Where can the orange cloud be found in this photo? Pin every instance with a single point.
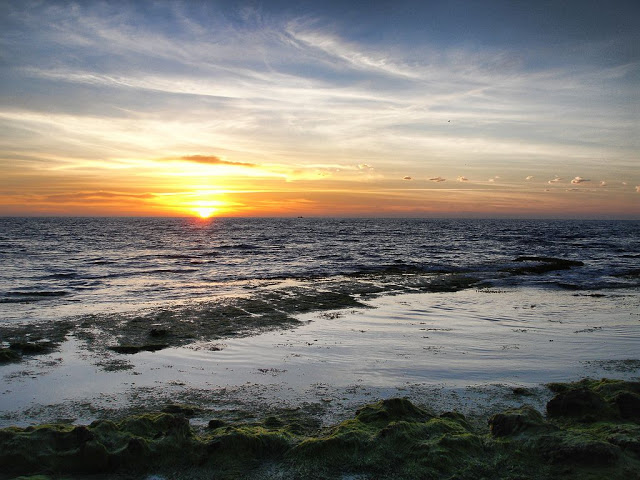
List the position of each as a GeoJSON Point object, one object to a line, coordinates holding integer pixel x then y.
{"type": "Point", "coordinates": [579, 180]}
{"type": "Point", "coordinates": [213, 160]}
{"type": "Point", "coordinates": [95, 196]}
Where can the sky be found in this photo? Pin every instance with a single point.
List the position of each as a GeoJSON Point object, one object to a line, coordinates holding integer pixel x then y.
{"type": "Point", "coordinates": [307, 108]}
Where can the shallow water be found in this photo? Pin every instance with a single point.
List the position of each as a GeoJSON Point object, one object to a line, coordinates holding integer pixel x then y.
{"type": "Point", "coordinates": [407, 344]}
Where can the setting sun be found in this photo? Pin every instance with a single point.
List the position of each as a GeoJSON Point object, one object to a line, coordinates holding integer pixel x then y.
{"type": "Point", "coordinates": [204, 212]}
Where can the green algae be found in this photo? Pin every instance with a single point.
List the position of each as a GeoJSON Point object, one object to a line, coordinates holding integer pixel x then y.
{"type": "Point", "coordinates": [392, 438]}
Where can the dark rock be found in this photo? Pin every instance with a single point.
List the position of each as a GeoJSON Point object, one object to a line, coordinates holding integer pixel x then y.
{"type": "Point", "coordinates": [273, 422]}
{"type": "Point", "coordinates": [216, 423]}
{"type": "Point", "coordinates": [32, 348]}
{"type": "Point", "coordinates": [94, 457]}
{"type": "Point", "coordinates": [158, 332]}
{"type": "Point", "coordinates": [628, 404]}
{"type": "Point", "coordinates": [186, 410]}
{"type": "Point", "coordinates": [521, 391]}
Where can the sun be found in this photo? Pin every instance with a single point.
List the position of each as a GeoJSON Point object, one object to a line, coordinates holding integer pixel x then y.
{"type": "Point", "coordinates": [204, 212]}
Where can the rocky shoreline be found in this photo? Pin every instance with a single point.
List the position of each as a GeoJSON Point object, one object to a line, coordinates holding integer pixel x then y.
{"type": "Point", "coordinates": [590, 430]}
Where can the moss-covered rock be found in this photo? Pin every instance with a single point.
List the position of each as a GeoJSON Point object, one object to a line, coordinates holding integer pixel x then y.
{"type": "Point", "coordinates": [595, 400]}
{"type": "Point", "coordinates": [136, 442]}
{"type": "Point", "coordinates": [390, 439]}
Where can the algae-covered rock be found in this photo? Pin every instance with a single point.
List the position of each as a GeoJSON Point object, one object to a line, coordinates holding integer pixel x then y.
{"type": "Point", "coordinates": [579, 403]}
{"type": "Point", "coordinates": [628, 404]}
{"type": "Point", "coordinates": [102, 446]}
{"type": "Point", "coordinates": [390, 439]}
{"type": "Point", "coordinates": [594, 400]}
{"type": "Point", "coordinates": [233, 451]}
{"type": "Point", "coordinates": [580, 449]}
{"type": "Point", "coordinates": [515, 421]}
{"type": "Point", "coordinates": [392, 409]}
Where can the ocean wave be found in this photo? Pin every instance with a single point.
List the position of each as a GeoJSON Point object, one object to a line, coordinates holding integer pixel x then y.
{"type": "Point", "coordinates": [61, 275]}
{"type": "Point", "coordinates": [31, 296]}
{"type": "Point", "coordinates": [39, 293]}
{"type": "Point", "coordinates": [237, 246]}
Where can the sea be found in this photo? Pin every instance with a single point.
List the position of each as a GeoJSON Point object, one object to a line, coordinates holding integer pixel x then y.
{"type": "Point", "coordinates": [381, 306]}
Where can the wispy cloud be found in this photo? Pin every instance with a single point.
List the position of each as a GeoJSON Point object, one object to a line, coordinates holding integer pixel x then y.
{"type": "Point", "coordinates": [350, 55]}
{"type": "Point", "coordinates": [529, 177]}
{"type": "Point", "coordinates": [213, 160]}
{"type": "Point", "coordinates": [437, 179]}
{"type": "Point", "coordinates": [462, 179]}
{"type": "Point", "coordinates": [555, 180]}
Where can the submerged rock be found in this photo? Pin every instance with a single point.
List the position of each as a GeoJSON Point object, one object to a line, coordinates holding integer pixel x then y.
{"type": "Point", "coordinates": [8, 355]}
{"type": "Point", "coordinates": [132, 349]}
{"type": "Point", "coordinates": [539, 265]}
